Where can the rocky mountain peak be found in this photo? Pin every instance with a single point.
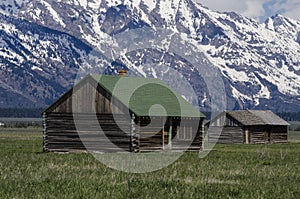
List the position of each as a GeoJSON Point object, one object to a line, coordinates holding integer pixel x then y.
{"type": "Point", "coordinates": [259, 63]}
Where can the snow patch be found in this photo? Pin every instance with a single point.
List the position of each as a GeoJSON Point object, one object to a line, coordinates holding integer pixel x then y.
{"type": "Point", "coordinates": [269, 24]}
{"type": "Point", "coordinates": [238, 95]}
{"type": "Point", "coordinates": [54, 14]}
{"type": "Point", "coordinates": [151, 4]}
{"type": "Point", "coordinates": [36, 68]}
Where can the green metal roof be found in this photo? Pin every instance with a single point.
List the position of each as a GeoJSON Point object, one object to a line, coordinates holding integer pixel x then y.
{"type": "Point", "coordinates": [147, 96]}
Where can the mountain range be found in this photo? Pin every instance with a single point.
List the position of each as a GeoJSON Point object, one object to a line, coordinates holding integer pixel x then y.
{"type": "Point", "coordinates": [45, 44]}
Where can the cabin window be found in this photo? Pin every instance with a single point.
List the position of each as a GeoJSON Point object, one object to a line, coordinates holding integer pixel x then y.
{"type": "Point", "coordinates": [185, 132]}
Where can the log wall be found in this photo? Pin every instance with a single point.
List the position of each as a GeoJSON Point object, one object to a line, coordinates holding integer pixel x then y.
{"type": "Point", "coordinates": [226, 135]}
{"type": "Point", "coordinates": [62, 134]}
{"type": "Point", "coordinates": [150, 134]}
{"type": "Point", "coordinates": [258, 134]}
{"type": "Point", "coordinates": [280, 134]}
{"type": "Point", "coordinates": [234, 133]}
{"type": "Point", "coordinates": [186, 134]}
{"type": "Point", "coordinates": [265, 134]}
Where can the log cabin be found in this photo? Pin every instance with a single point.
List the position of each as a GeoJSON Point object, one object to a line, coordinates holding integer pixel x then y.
{"type": "Point", "coordinates": [119, 113]}
{"type": "Point", "coordinates": [247, 127]}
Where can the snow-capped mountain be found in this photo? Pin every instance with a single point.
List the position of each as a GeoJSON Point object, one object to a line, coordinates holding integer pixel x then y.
{"type": "Point", "coordinates": [10, 7]}
{"type": "Point", "coordinates": [36, 63]}
{"type": "Point", "coordinates": [284, 26]}
{"type": "Point", "coordinates": [259, 62]}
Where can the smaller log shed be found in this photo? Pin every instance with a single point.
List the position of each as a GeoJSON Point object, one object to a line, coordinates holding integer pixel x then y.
{"type": "Point", "coordinates": [119, 113]}
{"type": "Point", "coordinates": [247, 127]}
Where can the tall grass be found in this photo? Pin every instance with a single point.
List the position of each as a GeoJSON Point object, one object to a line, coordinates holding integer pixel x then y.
{"type": "Point", "coordinates": [230, 171]}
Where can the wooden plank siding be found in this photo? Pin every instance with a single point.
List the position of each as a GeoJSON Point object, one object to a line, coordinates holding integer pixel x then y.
{"type": "Point", "coordinates": [187, 134]}
{"type": "Point", "coordinates": [280, 134]}
{"type": "Point", "coordinates": [268, 134]}
{"type": "Point", "coordinates": [228, 135]}
{"type": "Point", "coordinates": [153, 136]}
{"type": "Point", "coordinates": [257, 134]}
{"type": "Point", "coordinates": [234, 132]}
{"type": "Point", "coordinates": [226, 130]}
{"type": "Point", "coordinates": [70, 132]}
{"type": "Point", "coordinates": [89, 98]}
{"type": "Point", "coordinates": [94, 132]}
{"type": "Point", "coordinates": [150, 133]}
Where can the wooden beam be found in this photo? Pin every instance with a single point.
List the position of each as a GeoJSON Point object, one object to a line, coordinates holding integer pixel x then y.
{"type": "Point", "coordinates": [270, 135]}
{"type": "Point", "coordinates": [45, 142]}
{"type": "Point", "coordinates": [163, 135]}
{"type": "Point", "coordinates": [170, 134]}
{"type": "Point", "coordinates": [247, 135]}
{"type": "Point", "coordinates": [201, 134]}
{"type": "Point", "coordinates": [138, 138]}
{"type": "Point", "coordinates": [132, 129]}
{"type": "Point", "coordinates": [287, 131]}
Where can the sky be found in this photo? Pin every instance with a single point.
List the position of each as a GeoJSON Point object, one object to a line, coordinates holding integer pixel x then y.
{"type": "Point", "coordinates": [257, 9]}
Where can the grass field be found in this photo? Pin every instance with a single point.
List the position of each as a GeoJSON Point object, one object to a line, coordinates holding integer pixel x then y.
{"type": "Point", "coordinates": [294, 136]}
{"type": "Point", "coordinates": [230, 171]}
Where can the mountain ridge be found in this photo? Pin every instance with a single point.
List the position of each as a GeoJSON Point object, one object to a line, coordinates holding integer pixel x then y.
{"type": "Point", "coordinates": [259, 62]}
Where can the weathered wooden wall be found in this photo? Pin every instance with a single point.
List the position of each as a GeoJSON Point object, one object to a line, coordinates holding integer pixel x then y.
{"type": "Point", "coordinates": [257, 134]}
{"type": "Point", "coordinates": [280, 134]}
{"type": "Point", "coordinates": [233, 132]}
{"type": "Point", "coordinates": [186, 134]}
{"type": "Point", "coordinates": [228, 135]}
{"type": "Point", "coordinates": [62, 134]}
{"type": "Point", "coordinates": [224, 120]}
{"type": "Point", "coordinates": [88, 98]}
{"type": "Point", "coordinates": [112, 133]}
{"type": "Point", "coordinates": [150, 134]}
{"type": "Point", "coordinates": [268, 134]}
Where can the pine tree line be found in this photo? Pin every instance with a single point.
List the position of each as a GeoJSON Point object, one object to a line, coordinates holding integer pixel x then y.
{"type": "Point", "coordinates": [21, 112]}
{"type": "Point", "coordinates": [290, 116]}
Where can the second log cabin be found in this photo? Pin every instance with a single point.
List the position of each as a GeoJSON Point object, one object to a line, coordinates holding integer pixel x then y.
{"type": "Point", "coordinates": [248, 127]}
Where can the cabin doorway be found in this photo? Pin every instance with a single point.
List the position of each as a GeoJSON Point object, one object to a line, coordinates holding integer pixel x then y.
{"type": "Point", "coordinates": [268, 135]}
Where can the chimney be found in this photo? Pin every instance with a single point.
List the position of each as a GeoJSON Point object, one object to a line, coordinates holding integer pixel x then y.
{"type": "Point", "coordinates": [122, 73]}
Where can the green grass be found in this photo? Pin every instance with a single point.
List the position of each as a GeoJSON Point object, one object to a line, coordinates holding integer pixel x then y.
{"type": "Point", "coordinates": [230, 171]}
{"type": "Point", "coordinates": [294, 136]}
